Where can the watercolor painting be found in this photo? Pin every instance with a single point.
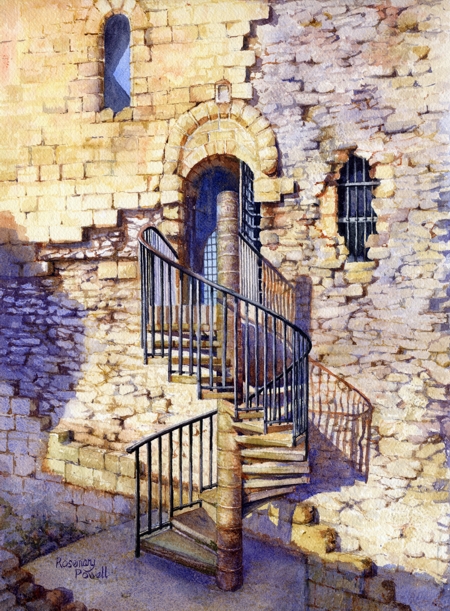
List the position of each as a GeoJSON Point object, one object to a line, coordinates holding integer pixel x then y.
{"type": "Point", "coordinates": [224, 305]}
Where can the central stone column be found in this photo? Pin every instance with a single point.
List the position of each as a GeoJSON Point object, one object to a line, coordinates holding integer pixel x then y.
{"type": "Point", "coordinates": [229, 475]}
{"type": "Point", "coordinates": [228, 240]}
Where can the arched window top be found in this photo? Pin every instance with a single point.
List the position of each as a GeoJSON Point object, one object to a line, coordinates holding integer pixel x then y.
{"type": "Point", "coordinates": [356, 216]}
{"type": "Point", "coordinates": [117, 63]}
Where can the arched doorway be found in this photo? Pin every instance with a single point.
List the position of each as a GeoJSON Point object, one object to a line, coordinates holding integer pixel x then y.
{"type": "Point", "coordinates": [205, 182]}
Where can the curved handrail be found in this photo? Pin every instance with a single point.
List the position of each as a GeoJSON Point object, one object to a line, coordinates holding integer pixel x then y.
{"type": "Point", "coordinates": [219, 287]}
{"type": "Point", "coordinates": [169, 429]}
{"type": "Point", "coordinates": [180, 463]}
{"type": "Point", "coordinates": [266, 262]}
{"type": "Point", "coordinates": [238, 342]}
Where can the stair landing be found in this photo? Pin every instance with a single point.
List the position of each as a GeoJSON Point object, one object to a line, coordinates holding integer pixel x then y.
{"type": "Point", "coordinates": [176, 547]}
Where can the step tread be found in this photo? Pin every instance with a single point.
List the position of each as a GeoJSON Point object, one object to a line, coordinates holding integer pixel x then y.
{"type": "Point", "coordinates": [213, 394]}
{"type": "Point", "coordinates": [174, 546]}
{"type": "Point", "coordinates": [268, 440]}
{"type": "Point", "coordinates": [296, 454]}
{"type": "Point", "coordinates": [260, 495]}
{"type": "Point", "coordinates": [275, 483]}
{"type": "Point", "coordinates": [197, 524]}
{"type": "Point", "coordinates": [275, 468]}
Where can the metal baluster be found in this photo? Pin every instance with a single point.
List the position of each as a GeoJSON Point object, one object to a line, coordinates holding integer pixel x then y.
{"type": "Point", "coordinates": [161, 278]}
{"type": "Point", "coordinates": [180, 327]}
{"type": "Point", "coordinates": [169, 353]}
{"type": "Point", "coordinates": [170, 475]}
{"type": "Point", "coordinates": [149, 485]}
{"type": "Point", "coordinates": [199, 341]}
{"type": "Point", "coordinates": [190, 463]}
{"type": "Point", "coordinates": [191, 326]}
{"type": "Point", "coordinates": [211, 336]}
{"type": "Point", "coordinates": [159, 481]}
{"type": "Point", "coordinates": [236, 355]}
{"type": "Point", "coordinates": [211, 437]}
{"type": "Point", "coordinates": [200, 474]}
{"type": "Point", "coordinates": [152, 281]}
{"type": "Point", "coordinates": [224, 338]}
{"type": "Point", "coordinates": [180, 467]}
{"type": "Point", "coordinates": [137, 549]}
{"type": "Point", "coordinates": [274, 370]}
{"type": "Point", "coordinates": [295, 410]}
{"type": "Point", "coordinates": [265, 402]}
{"type": "Point", "coordinates": [286, 415]}
{"type": "Point", "coordinates": [246, 357]}
{"type": "Point", "coordinates": [257, 358]}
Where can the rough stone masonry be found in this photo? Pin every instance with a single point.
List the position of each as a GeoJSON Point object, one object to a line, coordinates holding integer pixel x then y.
{"type": "Point", "coordinates": [292, 88]}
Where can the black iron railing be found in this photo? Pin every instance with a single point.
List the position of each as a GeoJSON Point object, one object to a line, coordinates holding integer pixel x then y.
{"type": "Point", "coordinates": [175, 467]}
{"type": "Point", "coordinates": [237, 348]}
{"type": "Point", "coordinates": [260, 281]}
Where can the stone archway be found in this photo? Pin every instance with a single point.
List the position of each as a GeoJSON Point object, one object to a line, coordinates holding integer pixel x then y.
{"type": "Point", "coordinates": [212, 130]}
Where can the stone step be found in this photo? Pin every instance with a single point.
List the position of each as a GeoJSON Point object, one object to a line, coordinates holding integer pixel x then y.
{"type": "Point", "coordinates": [257, 428]}
{"type": "Point", "coordinates": [217, 394]}
{"type": "Point", "coordinates": [197, 525]}
{"type": "Point", "coordinates": [283, 440]}
{"type": "Point", "coordinates": [272, 482]}
{"type": "Point", "coordinates": [177, 547]}
{"type": "Point", "coordinates": [205, 327]}
{"type": "Point", "coordinates": [204, 361]}
{"type": "Point", "coordinates": [261, 495]}
{"type": "Point", "coordinates": [296, 454]}
{"type": "Point", "coordinates": [275, 468]}
{"type": "Point", "coordinates": [204, 343]}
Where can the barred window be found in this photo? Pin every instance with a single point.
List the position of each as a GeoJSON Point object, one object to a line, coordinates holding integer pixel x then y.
{"type": "Point", "coordinates": [356, 217]}
{"type": "Point", "coordinates": [117, 63]}
{"type": "Point", "coordinates": [210, 267]}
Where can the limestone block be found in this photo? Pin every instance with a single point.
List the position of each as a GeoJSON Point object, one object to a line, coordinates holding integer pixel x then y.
{"type": "Point", "coordinates": [40, 268]}
{"type": "Point", "coordinates": [101, 201]}
{"type": "Point", "coordinates": [80, 476]}
{"type": "Point", "coordinates": [184, 34]}
{"type": "Point", "coordinates": [8, 561]}
{"type": "Point", "coordinates": [303, 514]}
{"type": "Point", "coordinates": [60, 233]}
{"type": "Point", "coordinates": [94, 458]}
{"type": "Point", "coordinates": [127, 466]}
{"type": "Point", "coordinates": [105, 218]}
{"type": "Point", "coordinates": [112, 461]}
{"type": "Point", "coordinates": [318, 539]}
{"type": "Point", "coordinates": [126, 200]}
{"type": "Point", "coordinates": [149, 200]}
{"type": "Point", "coordinates": [42, 155]}
{"type": "Point", "coordinates": [105, 480]}
{"type": "Point", "coordinates": [23, 406]}
{"type": "Point", "coordinates": [243, 91]}
{"type": "Point", "coordinates": [127, 269]}
{"type": "Point", "coordinates": [126, 485]}
{"type": "Point", "coordinates": [107, 269]}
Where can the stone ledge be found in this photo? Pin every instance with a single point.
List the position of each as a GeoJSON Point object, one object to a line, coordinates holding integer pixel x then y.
{"type": "Point", "coordinates": [337, 580]}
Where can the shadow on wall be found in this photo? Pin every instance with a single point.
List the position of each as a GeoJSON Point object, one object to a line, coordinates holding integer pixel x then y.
{"type": "Point", "coordinates": [42, 350]}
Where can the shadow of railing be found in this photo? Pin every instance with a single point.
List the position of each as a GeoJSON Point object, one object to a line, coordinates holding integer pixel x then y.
{"type": "Point", "coordinates": [341, 414]}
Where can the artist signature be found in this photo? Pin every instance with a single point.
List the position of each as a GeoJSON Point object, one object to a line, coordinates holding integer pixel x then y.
{"type": "Point", "coordinates": [85, 568]}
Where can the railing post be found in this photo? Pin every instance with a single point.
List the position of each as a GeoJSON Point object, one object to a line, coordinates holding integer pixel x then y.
{"type": "Point", "coordinates": [229, 575]}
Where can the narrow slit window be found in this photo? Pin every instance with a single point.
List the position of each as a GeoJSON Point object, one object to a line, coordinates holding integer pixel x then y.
{"type": "Point", "coordinates": [117, 63]}
{"type": "Point", "coordinates": [356, 216]}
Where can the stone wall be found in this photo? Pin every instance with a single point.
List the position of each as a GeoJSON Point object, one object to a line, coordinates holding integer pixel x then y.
{"type": "Point", "coordinates": [292, 88]}
{"type": "Point", "coordinates": [336, 78]}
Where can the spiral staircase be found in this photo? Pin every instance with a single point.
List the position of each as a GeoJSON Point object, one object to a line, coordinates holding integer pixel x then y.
{"type": "Point", "coordinates": [243, 350]}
